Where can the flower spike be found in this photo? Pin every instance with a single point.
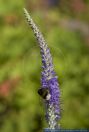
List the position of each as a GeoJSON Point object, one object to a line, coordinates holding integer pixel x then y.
{"type": "Point", "coordinates": [50, 87]}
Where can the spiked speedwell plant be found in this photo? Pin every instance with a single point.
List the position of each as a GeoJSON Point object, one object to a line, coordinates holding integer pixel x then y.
{"type": "Point", "coordinates": [49, 84]}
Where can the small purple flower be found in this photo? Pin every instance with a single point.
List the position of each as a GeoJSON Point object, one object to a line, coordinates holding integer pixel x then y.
{"type": "Point", "coordinates": [49, 80]}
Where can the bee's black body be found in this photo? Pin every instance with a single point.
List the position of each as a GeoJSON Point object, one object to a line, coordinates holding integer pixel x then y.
{"type": "Point", "coordinates": [43, 92]}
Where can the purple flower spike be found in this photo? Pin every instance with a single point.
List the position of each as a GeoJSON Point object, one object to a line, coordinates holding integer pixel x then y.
{"type": "Point", "coordinates": [49, 82]}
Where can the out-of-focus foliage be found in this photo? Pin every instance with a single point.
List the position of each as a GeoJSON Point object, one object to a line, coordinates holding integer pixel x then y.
{"type": "Point", "coordinates": [67, 34]}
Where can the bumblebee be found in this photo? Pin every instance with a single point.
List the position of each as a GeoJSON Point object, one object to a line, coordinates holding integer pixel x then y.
{"type": "Point", "coordinates": [44, 93]}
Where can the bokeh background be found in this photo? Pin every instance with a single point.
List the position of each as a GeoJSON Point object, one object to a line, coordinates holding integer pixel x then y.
{"type": "Point", "coordinates": [65, 26]}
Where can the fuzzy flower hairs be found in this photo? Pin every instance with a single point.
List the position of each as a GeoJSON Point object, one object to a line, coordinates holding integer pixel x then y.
{"type": "Point", "coordinates": [49, 84]}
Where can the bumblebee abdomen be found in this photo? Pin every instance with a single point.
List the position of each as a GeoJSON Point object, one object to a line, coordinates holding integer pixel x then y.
{"type": "Point", "coordinates": [43, 92]}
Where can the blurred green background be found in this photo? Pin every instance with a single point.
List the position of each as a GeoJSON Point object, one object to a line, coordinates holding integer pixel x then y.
{"type": "Point", "coordinates": [65, 26]}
